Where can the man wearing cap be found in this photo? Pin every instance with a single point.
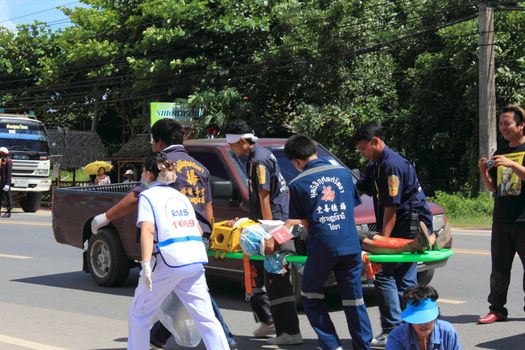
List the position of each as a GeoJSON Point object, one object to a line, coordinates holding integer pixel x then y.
{"type": "Point", "coordinates": [6, 169]}
{"type": "Point", "coordinates": [422, 330]}
{"type": "Point", "coordinates": [192, 181]}
{"type": "Point", "coordinates": [268, 196]}
{"type": "Point", "coordinates": [129, 176]}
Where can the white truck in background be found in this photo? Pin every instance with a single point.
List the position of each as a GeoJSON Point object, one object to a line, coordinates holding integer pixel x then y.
{"type": "Point", "coordinates": [26, 139]}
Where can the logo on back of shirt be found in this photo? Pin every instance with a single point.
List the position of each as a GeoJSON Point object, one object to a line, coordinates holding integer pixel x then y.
{"type": "Point", "coordinates": [328, 194]}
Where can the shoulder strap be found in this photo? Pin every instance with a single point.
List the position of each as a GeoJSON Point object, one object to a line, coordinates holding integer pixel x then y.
{"type": "Point", "coordinates": [316, 170]}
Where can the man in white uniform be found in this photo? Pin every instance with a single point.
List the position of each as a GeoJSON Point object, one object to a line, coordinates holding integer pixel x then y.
{"type": "Point", "coordinates": [166, 217]}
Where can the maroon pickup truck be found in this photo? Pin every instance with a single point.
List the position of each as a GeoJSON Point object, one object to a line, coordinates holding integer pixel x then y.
{"type": "Point", "coordinates": [109, 255]}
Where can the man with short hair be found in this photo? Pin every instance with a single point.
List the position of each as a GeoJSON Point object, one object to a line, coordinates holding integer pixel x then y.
{"type": "Point", "coordinates": [6, 169]}
{"type": "Point", "coordinates": [268, 195]}
{"type": "Point", "coordinates": [323, 198]}
{"type": "Point", "coordinates": [400, 205]}
{"type": "Point", "coordinates": [192, 181]}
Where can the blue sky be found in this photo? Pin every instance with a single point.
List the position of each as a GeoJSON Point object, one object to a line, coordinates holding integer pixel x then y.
{"type": "Point", "coordinates": [13, 12]}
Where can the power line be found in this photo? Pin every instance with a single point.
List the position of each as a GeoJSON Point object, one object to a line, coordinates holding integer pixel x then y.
{"type": "Point", "coordinates": [38, 12]}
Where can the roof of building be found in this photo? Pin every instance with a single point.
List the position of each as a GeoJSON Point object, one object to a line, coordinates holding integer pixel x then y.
{"type": "Point", "coordinates": [75, 148]}
{"type": "Point", "coordinates": [137, 147]}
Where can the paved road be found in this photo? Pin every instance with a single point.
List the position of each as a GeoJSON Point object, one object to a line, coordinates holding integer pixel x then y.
{"type": "Point", "coordinates": [47, 303]}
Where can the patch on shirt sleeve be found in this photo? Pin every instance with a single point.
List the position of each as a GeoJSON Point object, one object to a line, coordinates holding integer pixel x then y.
{"type": "Point", "coordinates": [393, 185]}
{"type": "Point", "coordinates": [261, 174]}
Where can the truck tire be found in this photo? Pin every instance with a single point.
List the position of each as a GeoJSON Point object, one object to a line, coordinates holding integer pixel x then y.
{"type": "Point", "coordinates": [31, 202]}
{"type": "Point", "coordinates": [424, 277]}
{"type": "Point", "coordinates": [107, 262]}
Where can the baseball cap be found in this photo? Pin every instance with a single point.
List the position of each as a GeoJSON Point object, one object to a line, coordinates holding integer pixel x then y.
{"type": "Point", "coordinates": [129, 172]}
{"type": "Point", "coordinates": [4, 150]}
{"type": "Point", "coordinates": [427, 310]}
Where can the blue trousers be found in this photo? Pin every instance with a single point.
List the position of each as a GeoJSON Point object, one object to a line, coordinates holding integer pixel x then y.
{"type": "Point", "coordinates": [390, 285]}
{"type": "Point", "coordinates": [347, 270]}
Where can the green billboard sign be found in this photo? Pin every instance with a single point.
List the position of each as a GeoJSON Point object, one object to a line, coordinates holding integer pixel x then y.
{"type": "Point", "coordinates": [180, 112]}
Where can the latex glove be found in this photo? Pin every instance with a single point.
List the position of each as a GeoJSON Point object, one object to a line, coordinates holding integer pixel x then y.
{"type": "Point", "coordinates": [99, 221]}
{"type": "Point", "coordinates": [6, 188]}
{"type": "Point", "coordinates": [146, 274]}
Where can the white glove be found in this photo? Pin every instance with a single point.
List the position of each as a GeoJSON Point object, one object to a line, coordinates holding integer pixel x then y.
{"type": "Point", "coordinates": [6, 188]}
{"type": "Point", "coordinates": [99, 221]}
{"type": "Point", "coordinates": [146, 274]}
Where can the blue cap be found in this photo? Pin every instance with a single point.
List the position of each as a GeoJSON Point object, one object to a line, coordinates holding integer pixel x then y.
{"type": "Point", "coordinates": [426, 311]}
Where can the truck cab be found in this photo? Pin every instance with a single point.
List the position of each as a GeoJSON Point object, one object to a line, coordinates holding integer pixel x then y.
{"type": "Point", "coordinates": [26, 139]}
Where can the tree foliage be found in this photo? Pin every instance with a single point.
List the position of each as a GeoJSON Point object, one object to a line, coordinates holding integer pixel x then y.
{"type": "Point", "coordinates": [319, 67]}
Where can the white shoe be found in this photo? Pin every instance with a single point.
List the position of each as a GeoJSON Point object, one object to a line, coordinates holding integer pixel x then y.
{"type": "Point", "coordinates": [264, 330]}
{"type": "Point", "coordinates": [379, 341]}
{"type": "Point", "coordinates": [286, 339]}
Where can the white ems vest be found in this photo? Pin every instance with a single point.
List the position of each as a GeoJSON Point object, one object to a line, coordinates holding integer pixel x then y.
{"type": "Point", "coordinates": [177, 234]}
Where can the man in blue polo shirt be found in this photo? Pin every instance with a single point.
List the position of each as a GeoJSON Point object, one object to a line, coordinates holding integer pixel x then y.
{"type": "Point", "coordinates": [323, 198]}
{"type": "Point", "coordinates": [398, 199]}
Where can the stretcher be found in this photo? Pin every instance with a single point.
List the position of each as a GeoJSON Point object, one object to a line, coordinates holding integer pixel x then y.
{"type": "Point", "coordinates": [428, 256]}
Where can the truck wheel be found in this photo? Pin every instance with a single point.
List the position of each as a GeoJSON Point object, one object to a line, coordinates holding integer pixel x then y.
{"type": "Point", "coordinates": [424, 277]}
{"type": "Point", "coordinates": [31, 202]}
{"type": "Point", "coordinates": [107, 262]}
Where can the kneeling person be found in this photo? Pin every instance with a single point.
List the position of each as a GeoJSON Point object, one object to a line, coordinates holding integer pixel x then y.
{"type": "Point", "coordinates": [423, 329]}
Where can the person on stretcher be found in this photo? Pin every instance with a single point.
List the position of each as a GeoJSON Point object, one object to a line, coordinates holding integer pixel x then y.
{"type": "Point", "coordinates": [375, 243]}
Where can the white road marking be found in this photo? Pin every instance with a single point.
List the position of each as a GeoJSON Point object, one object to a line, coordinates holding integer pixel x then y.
{"type": "Point", "coordinates": [451, 301]}
{"type": "Point", "coordinates": [27, 344]}
{"type": "Point", "coordinates": [14, 256]}
{"type": "Point", "coordinates": [29, 223]}
{"type": "Point", "coordinates": [473, 233]}
{"type": "Point", "coordinates": [471, 251]}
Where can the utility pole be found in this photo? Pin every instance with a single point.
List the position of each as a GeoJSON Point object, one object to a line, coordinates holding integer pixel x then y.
{"type": "Point", "coordinates": [487, 83]}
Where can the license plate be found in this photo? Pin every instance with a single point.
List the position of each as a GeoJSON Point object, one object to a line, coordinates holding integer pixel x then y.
{"type": "Point", "coordinates": [21, 183]}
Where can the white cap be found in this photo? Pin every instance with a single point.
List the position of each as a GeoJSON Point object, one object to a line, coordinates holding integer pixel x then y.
{"type": "Point", "coordinates": [4, 150]}
{"type": "Point", "coordinates": [129, 172]}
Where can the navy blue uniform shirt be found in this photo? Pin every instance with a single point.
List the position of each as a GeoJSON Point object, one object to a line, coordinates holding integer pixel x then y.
{"type": "Point", "coordinates": [392, 180]}
{"type": "Point", "coordinates": [326, 199]}
{"type": "Point", "coordinates": [193, 181]}
{"type": "Point", "coordinates": [264, 174]}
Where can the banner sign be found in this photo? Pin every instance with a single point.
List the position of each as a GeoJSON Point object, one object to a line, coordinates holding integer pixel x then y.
{"type": "Point", "coordinates": [180, 112]}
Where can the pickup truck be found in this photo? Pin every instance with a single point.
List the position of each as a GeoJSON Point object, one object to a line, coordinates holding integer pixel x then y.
{"type": "Point", "coordinates": [109, 255]}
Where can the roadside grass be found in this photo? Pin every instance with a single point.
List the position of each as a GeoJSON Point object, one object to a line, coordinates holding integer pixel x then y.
{"type": "Point", "coordinates": [68, 175]}
{"type": "Point", "coordinates": [465, 211]}
{"type": "Point", "coordinates": [479, 222]}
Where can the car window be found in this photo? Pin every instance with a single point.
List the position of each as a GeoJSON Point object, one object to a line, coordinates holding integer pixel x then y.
{"type": "Point", "coordinates": [213, 163]}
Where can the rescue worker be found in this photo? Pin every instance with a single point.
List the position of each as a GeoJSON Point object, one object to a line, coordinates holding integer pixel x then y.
{"type": "Point", "coordinates": [323, 198]}
{"type": "Point", "coordinates": [6, 169]}
{"type": "Point", "coordinates": [400, 205]}
{"type": "Point", "coordinates": [268, 195]}
{"type": "Point", "coordinates": [193, 181]}
{"type": "Point", "coordinates": [172, 255]}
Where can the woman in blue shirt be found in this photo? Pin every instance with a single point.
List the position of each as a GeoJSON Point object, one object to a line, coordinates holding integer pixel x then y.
{"type": "Point", "coordinates": [422, 330]}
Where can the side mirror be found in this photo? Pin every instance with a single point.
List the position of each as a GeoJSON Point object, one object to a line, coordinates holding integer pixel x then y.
{"type": "Point", "coordinates": [222, 189]}
{"type": "Point", "coordinates": [356, 173]}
